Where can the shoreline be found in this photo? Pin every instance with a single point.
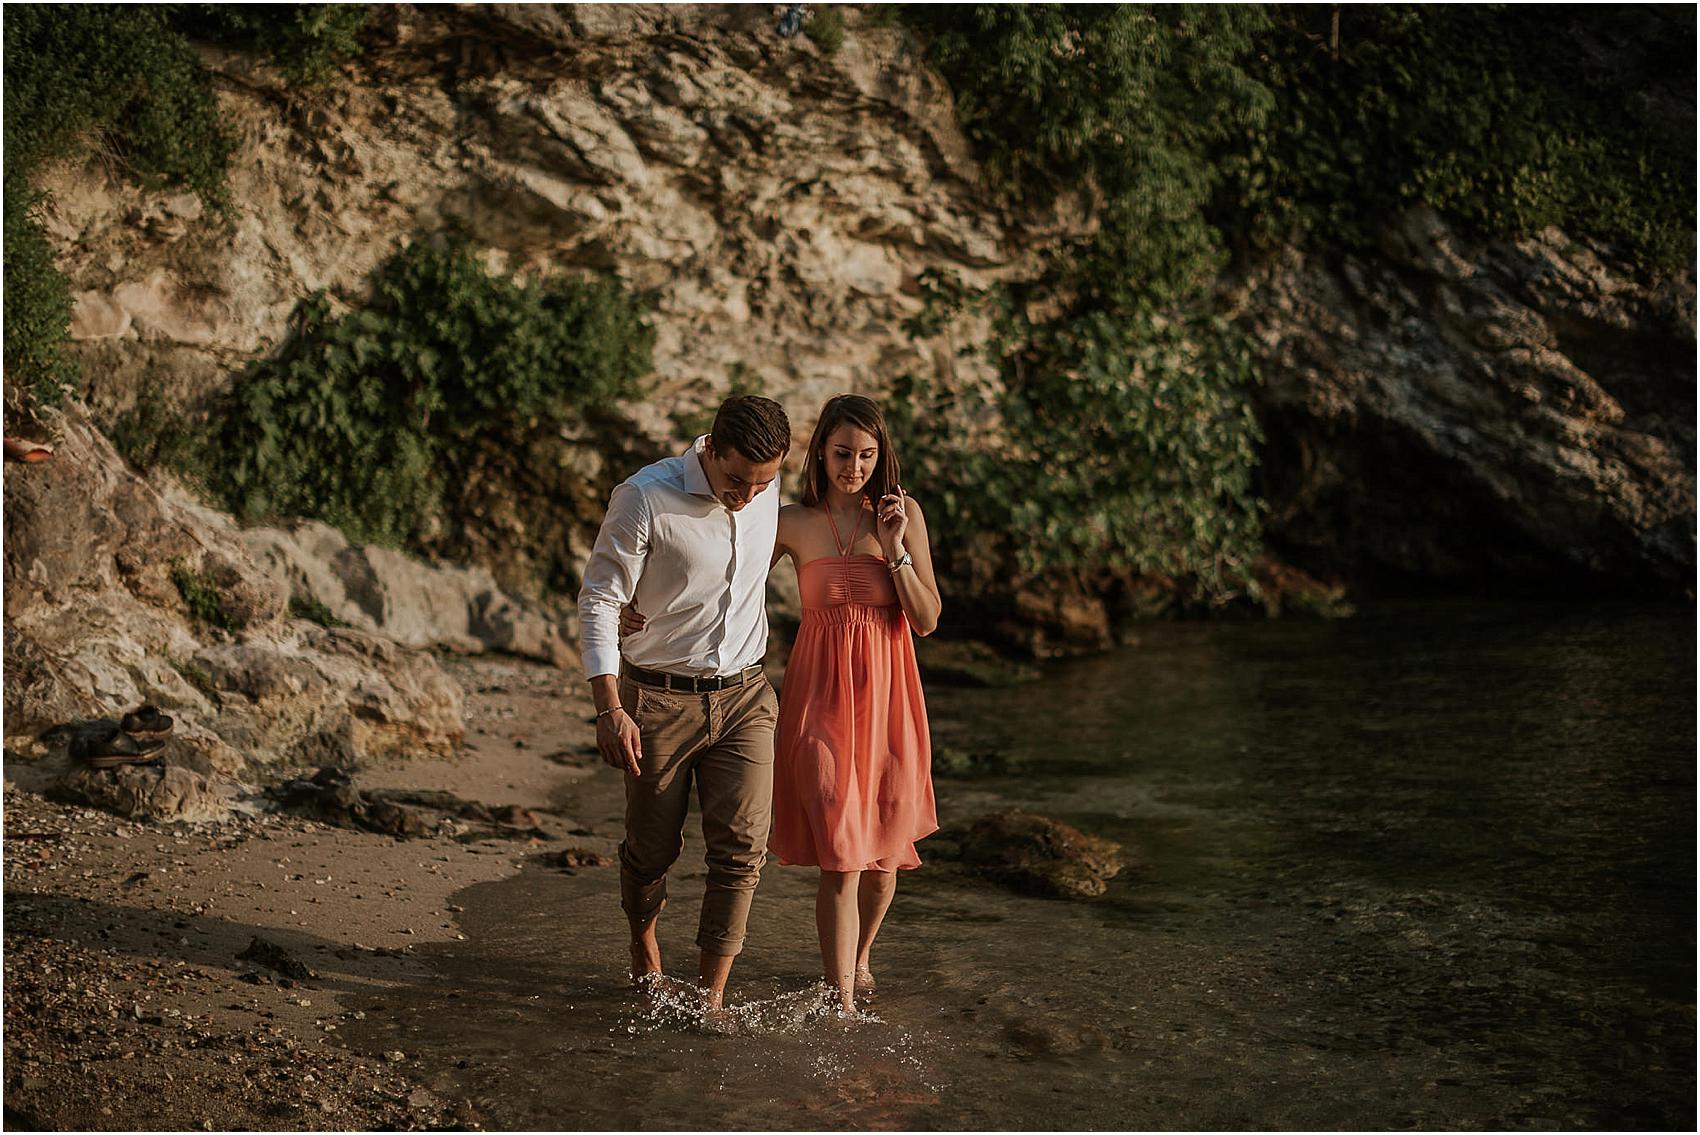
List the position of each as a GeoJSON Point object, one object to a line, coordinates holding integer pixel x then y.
{"type": "Point", "coordinates": [127, 1004]}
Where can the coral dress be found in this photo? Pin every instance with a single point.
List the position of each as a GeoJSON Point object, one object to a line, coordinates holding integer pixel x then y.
{"type": "Point", "coordinates": [852, 780]}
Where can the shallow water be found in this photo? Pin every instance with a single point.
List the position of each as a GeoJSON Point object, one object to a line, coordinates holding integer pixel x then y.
{"type": "Point", "coordinates": [1432, 867]}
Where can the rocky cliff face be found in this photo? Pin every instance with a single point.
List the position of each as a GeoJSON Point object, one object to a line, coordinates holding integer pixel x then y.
{"type": "Point", "coordinates": [778, 203]}
{"type": "Point", "coordinates": [1443, 412]}
{"type": "Point", "coordinates": [119, 592]}
{"type": "Point", "coordinates": [1512, 415]}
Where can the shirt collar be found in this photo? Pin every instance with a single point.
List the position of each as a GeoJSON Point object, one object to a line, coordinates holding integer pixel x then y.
{"type": "Point", "coordinates": [696, 480]}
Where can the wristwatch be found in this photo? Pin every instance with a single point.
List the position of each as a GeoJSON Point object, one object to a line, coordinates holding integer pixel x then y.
{"type": "Point", "coordinates": [901, 562]}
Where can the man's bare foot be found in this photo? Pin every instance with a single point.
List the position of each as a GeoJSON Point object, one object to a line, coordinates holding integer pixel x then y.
{"type": "Point", "coordinates": [646, 963]}
{"type": "Point", "coordinates": [864, 988]}
{"type": "Point", "coordinates": [718, 1020]}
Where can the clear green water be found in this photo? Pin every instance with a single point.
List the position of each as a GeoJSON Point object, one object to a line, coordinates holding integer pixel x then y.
{"type": "Point", "coordinates": [1433, 867]}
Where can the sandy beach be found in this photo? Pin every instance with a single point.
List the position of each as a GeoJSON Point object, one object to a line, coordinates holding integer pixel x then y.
{"type": "Point", "coordinates": [127, 1004]}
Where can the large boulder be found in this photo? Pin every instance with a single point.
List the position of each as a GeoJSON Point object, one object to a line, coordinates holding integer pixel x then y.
{"type": "Point", "coordinates": [120, 591]}
{"type": "Point", "coordinates": [166, 793]}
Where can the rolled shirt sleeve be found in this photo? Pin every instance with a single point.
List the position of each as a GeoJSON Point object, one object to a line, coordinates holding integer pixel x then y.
{"type": "Point", "coordinates": [610, 578]}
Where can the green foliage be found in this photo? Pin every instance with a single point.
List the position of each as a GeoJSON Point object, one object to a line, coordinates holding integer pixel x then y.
{"type": "Point", "coordinates": [38, 304]}
{"type": "Point", "coordinates": [314, 612]}
{"type": "Point", "coordinates": [203, 596]}
{"type": "Point", "coordinates": [126, 78]}
{"type": "Point", "coordinates": [355, 420]}
{"type": "Point", "coordinates": [195, 674]}
{"type": "Point", "coordinates": [74, 72]}
{"type": "Point", "coordinates": [1508, 118]}
{"type": "Point", "coordinates": [1124, 443]}
{"type": "Point", "coordinates": [1124, 99]}
{"type": "Point", "coordinates": [303, 39]}
{"type": "Point", "coordinates": [1124, 439]}
{"type": "Point", "coordinates": [826, 28]}
{"type": "Point", "coordinates": [1188, 130]}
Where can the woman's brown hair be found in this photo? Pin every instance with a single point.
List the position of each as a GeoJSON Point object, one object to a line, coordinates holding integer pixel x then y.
{"type": "Point", "coordinates": [864, 414]}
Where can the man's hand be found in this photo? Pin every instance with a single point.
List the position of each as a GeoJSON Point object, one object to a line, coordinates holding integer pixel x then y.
{"type": "Point", "coordinates": [619, 740]}
{"type": "Point", "coordinates": [631, 620]}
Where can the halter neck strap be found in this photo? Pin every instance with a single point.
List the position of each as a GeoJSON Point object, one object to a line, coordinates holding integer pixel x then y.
{"type": "Point", "coordinates": [843, 549]}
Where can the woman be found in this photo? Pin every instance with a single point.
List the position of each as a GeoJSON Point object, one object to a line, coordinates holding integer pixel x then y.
{"type": "Point", "coordinates": [852, 784]}
{"type": "Point", "coordinates": [852, 787]}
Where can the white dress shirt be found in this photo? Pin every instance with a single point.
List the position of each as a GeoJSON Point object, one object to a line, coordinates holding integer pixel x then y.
{"type": "Point", "coordinates": [696, 570]}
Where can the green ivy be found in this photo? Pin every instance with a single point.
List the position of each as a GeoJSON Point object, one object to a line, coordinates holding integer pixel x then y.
{"type": "Point", "coordinates": [1125, 443]}
{"type": "Point", "coordinates": [1123, 432]}
{"type": "Point", "coordinates": [1506, 118]}
{"type": "Point", "coordinates": [355, 421]}
{"type": "Point", "coordinates": [1124, 437]}
{"type": "Point", "coordinates": [305, 40]}
{"type": "Point", "coordinates": [72, 71]}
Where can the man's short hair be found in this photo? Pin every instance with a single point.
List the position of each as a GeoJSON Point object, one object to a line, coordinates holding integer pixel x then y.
{"type": "Point", "coordinates": [755, 426]}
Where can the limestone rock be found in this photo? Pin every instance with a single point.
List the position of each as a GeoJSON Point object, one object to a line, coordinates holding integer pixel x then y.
{"type": "Point", "coordinates": [98, 620]}
{"type": "Point", "coordinates": [164, 793]}
{"type": "Point", "coordinates": [391, 594]}
{"type": "Point", "coordinates": [778, 202]}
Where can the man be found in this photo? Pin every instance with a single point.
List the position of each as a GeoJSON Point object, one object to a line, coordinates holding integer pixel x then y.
{"type": "Point", "coordinates": [689, 541]}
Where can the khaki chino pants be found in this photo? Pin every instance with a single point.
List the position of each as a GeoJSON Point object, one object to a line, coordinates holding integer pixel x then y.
{"type": "Point", "coordinates": [723, 742]}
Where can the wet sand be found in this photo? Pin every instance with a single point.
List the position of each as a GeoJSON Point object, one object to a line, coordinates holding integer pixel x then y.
{"type": "Point", "coordinates": [126, 1005]}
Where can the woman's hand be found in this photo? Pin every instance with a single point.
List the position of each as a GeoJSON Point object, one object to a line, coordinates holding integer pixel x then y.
{"type": "Point", "coordinates": [631, 620]}
{"type": "Point", "coordinates": [892, 521]}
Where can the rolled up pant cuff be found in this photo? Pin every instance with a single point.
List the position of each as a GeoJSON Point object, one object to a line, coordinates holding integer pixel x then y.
{"type": "Point", "coordinates": [721, 947]}
{"type": "Point", "coordinates": [642, 901]}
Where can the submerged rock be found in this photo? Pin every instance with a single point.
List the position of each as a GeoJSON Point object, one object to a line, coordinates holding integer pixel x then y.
{"type": "Point", "coordinates": [1039, 855]}
{"type": "Point", "coordinates": [951, 761]}
{"type": "Point", "coordinates": [972, 664]}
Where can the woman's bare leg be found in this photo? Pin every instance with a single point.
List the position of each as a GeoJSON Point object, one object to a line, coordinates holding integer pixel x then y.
{"type": "Point", "coordinates": [873, 898]}
{"type": "Point", "coordinates": [836, 920]}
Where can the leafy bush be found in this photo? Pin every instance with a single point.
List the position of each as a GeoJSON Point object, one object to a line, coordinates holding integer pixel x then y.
{"type": "Point", "coordinates": [353, 422]}
{"type": "Point", "coordinates": [1123, 444]}
{"type": "Point", "coordinates": [303, 39]}
{"type": "Point", "coordinates": [1191, 129]}
{"type": "Point", "coordinates": [1123, 436]}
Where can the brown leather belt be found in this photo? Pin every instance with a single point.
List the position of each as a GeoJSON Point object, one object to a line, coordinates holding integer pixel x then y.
{"type": "Point", "coordinates": [686, 682]}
